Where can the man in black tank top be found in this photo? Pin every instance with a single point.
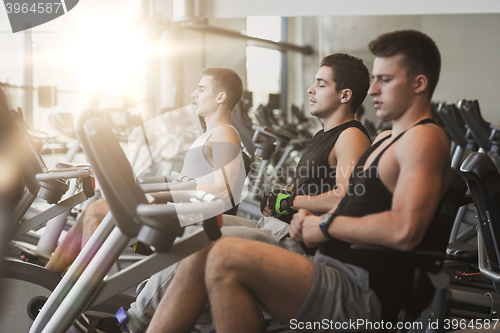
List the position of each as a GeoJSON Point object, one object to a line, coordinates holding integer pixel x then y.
{"type": "Point", "coordinates": [401, 194]}
{"type": "Point", "coordinates": [322, 173]}
{"type": "Point", "coordinates": [340, 86]}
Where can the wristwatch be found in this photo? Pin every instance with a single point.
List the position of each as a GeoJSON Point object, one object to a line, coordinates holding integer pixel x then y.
{"type": "Point", "coordinates": [325, 222]}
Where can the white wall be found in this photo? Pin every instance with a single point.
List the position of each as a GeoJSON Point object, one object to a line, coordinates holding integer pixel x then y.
{"type": "Point", "coordinates": [470, 51]}
{"type": "Point", "coordinates": [469, 45]}
{"type": "Point", "coordinates": [346, 34]}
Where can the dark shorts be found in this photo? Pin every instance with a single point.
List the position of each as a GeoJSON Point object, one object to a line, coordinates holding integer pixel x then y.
{"type": "Point", "coordinates": [340, 299]}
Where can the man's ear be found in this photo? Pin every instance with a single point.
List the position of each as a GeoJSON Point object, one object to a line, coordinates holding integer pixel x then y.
{"type": "Point", "coordinates": [221, 97]}
{"type": "Point", "coordinates": [421, 83]}
{"type": "Point", "coordinates": [345, 95]}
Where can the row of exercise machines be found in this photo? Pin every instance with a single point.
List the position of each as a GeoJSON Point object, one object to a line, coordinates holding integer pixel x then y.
{"type": "Point", "coordinates": [132, 218]}
{"type": "Point", "coordinates": [472, 254]}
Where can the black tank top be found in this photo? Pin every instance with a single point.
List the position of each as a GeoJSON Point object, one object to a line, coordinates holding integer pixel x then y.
{"type": "Point", "coordinates": [368, 195]}
{"type": "Point", "coordinates": [313, 174]}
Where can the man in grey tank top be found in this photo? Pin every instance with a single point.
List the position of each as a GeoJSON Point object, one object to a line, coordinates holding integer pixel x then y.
{"type": "Point", "coordinates": [315, 295]}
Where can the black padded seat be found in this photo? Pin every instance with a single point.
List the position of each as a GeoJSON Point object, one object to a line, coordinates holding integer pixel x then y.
{"type": "Point", "coordinates": [242, 122]}
{"type": "Point", "coordinates": [265, 139]}
{"type": "Point", "coordinates": [478, 126]}
{"type": "Point", "coordinates": [449, 116]}
{"type": "Point", "coordinates": [463, 252]}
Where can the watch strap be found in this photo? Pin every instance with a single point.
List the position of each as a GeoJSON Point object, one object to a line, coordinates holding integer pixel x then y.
{"type": "Point", "coordinates": [325, 225]}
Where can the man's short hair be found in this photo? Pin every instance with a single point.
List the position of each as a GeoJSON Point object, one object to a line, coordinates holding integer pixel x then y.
{"type": "Point", "coordinates": [349, 72]}
{"type": "Point", "coordinates": [419, 51]}
{"type": "Point", "coordinates": [226, 80]}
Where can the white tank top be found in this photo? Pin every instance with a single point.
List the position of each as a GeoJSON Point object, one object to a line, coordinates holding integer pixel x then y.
{"type": "Point", "coordinates": [195, 164]}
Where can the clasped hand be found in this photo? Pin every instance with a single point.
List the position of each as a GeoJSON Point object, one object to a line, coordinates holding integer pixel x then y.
{"type": "Point", "coordinates": [304, 228]}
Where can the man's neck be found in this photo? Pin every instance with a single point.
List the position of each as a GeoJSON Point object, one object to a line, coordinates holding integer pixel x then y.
{"type": "Point", "coordinates": [221, 117]}
{"type": "Point", "coordinates": [337, 118]}
{"type": "Point", "coordinates": [413, 115]}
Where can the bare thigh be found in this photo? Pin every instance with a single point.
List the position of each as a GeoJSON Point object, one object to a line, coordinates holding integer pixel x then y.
{"type": "Point", "coordinates": [280, 280]}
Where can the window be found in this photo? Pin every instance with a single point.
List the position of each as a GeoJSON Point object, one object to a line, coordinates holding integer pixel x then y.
{"type": "Point", "coordinates": [263, 65]}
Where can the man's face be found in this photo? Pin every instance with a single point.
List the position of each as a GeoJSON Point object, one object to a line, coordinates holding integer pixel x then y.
{"type": "Point", "coordinates": [323, 96]}
{"type": "Point", "coordinates": [391, 89]}
{"type": "Point", "coordinates": [205, 99]}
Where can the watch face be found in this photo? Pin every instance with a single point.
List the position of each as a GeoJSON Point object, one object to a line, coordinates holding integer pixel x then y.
{"type": "Point", "coordinates": [324, 218]}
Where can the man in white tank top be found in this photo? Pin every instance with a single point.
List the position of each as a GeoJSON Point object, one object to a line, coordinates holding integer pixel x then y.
{"type": "Point", "coordinates": [214, 160]}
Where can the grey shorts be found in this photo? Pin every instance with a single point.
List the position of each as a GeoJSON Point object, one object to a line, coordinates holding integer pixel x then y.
{"type": "Point", "coordinates": [339, 300]}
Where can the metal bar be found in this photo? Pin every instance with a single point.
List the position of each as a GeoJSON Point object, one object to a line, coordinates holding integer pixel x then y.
{"type": "Point", "coordinates": [50, 213]}
{"type": "Point", "coordinates": [74, 273]}
{"type": "Point", "coordinates": [259, 41]}
{"type": "Point", "coordinates": [483, 262]}
{"type": "Point", "coordinates": [284, 72]}
{"type": "Point", "coordinates": [63, 175]}
{"type": "Point", "coordinates": [169, 209]}
{"type": "Point", "coordinates": [456, 223]}
{"type": "Point", "coordinates": [258, 180]}
{"type": "Point", "coordinates": [77, 299]}
{"type": "Point", "coordinates": [467, 297]}
{"type": "Point", "coordinates": [250, 206]}
{"type": "Point", "coordinates": [48, 240]}
{"type": "Point", "coordinates": [21, 209]}
{"type": "Point", "coordinates": [281, 162]}
{"type": "Point", "coordinates": [457, 157]}
{"type": "Point", "coordinates": [159, 187]}
{"type": "Point", "coordinates": [148, 266]}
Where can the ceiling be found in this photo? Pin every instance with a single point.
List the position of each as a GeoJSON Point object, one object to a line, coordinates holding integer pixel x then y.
{"type": "Point", "coordinates": [295, 8]}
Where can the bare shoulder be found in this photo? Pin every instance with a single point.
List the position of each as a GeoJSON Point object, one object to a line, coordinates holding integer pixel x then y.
{"type": "Point", "coordinates": [382, 135]}
{"type": "Point", "coordinates": [429, 134]}
{"type": "Point", "coordinates": [225, 134]}
{"type": "Point", "coordinates": [350, 145]}
{"type": "Point", "coordinates": [425, 143]}
{"type": "Point", "coordinates": [353, 133]}
{"type": "Point", "coordinates": [352, 138]}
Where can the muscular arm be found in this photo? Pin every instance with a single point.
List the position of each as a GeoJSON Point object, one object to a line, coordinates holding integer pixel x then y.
{"type": "Point", "coordinates": [344, 155]}
{"type": "Point", "coordinates": [419, 165]}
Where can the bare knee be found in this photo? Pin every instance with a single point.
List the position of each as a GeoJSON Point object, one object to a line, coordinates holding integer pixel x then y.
{"type": "Point", "coordinates": [97, 208]}
{"type": "Point", "coordinates": [95, 213]}
{"type": "Point", "coordinates": [225, 260]}
{"type": "Point", "coordinates": [197, 259]}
